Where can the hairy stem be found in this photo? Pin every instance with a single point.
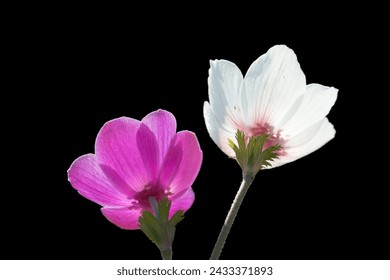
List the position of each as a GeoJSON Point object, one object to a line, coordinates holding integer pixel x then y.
{"type": "Point", "coordinates": [246, 182]}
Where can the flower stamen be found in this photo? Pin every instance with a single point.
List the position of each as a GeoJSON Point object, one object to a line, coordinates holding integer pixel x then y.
{"type": "Point", "coordinates": [274, 137]}
{"type": "Point", "coordinates": [143, 197]}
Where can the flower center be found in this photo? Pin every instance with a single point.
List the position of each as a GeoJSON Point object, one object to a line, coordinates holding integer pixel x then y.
{"type": "Point", "coordinates": [141, 199]}
{"type": "Point", "coordinates": [273, 138]}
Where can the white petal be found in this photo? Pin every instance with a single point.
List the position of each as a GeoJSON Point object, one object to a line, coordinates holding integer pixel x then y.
{"type": "Point", "coordinates": [307, 142]}
{"type": "Point", "coordinates": [272, 84]}
{"type": "Point", "coordinates": [312, 107]}
{"type": "Point", "coordinates": [225, 84]}
{"type": "Point", "coordinates": [311, 139]}
{"type": "Point", "coordinates": [219, 129]}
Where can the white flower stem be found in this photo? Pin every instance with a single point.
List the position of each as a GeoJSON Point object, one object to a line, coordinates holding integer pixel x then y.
{"type": "Point", "coordinates": [246, 182]}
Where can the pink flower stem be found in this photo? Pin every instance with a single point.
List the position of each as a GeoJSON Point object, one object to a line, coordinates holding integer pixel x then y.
{"type": "Point", "coordinates": [246, 182]}
{"type": "Point", "coordinates": [167, 254]}
{"type": "Point", "coordinates": [166, 246]}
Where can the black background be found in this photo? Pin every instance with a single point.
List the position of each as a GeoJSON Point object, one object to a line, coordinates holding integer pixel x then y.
{"type": "Point", "coordinates": [76, 73]}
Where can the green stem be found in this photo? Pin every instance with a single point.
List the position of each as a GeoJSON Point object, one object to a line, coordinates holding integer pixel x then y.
{"type": "Point", "coordinates": [166, 254]}
{"type": "Point", "coordinates": [246, 182]}
{"type": "Point", "coordinates": [166, 235]}
{"type": "Point", "coordinates": [166, 243]}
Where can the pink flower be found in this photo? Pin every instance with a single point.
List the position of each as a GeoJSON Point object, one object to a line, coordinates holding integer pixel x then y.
{"type": "Point", "coordinates": [135, 160]}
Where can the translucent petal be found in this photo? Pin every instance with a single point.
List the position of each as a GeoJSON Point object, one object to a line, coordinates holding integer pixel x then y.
{"type": "Point", "coordinates": [225, 85]}
{"type": "Point", "coordinates": [315, 104]}
{"type": "Point", "coordinates": [130, 149]}
{"type": "Point", "coordinates": [124, 218]}
{"type": "Point", "coordinates": [272, 84]}
{"type": "Point", "coordinates": [306, 142]}
{"type": "Point", "coordinates": [163, 125]}
{"type": "Point", "coordinates": [182, 163]}
{"type": "Point", "coordinates": [184, 202]}
{"type": "Point", "coordinates": [220, 132]}
{"type": "Point", "coordinates": [86, 176]}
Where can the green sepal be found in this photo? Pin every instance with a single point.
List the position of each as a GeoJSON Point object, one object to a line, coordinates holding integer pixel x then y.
{"type": "Point", "coordinates": [151, 227]}
{"type": "Point", "coordinates": [250, 154]}
{"type": "Point", "coordinates": [158, 227]}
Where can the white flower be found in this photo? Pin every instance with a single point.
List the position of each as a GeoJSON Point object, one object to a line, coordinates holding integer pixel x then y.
{"type": "Point", "coordinates": [272, 98]}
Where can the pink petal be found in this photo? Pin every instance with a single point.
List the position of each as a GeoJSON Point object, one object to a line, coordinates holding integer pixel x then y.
{"type": "Point", "coordinates": [128, 148]}
{"type": "Point", "coordinates": [86, 176]}
{"type": "Point", "coordinates": [182, 163]}
{"type": "Point", "coordinates": [117, 181]}
{"type": "Point", "coordinates": [163, 125]}
{"type": "Point", "coordinates": [184, 202]}
{"type": "Point", "coordinates": [123, 217]}
{"type": "Point", "coordinates": [149, 151]}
